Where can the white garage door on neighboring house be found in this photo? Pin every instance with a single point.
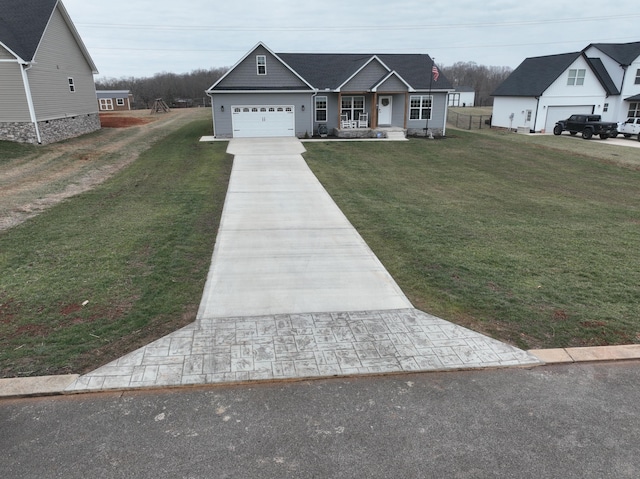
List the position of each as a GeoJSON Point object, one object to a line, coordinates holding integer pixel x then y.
{"type": "Point", "coordinates": [557, 113]}
{"type": "Point", "coordinates": [263, 121]}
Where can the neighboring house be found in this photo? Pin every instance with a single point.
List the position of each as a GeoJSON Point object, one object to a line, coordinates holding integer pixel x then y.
{"type": "Point", "coordinates": [47, 91]}
{"type": "Point", "coordinates": [352, 95]}
{"type": "Point", "coordinates": [602, 79]}
{"type": "Point", "coordinates": [114, 100]}
{"type": "Point", "coordinates": [462, 96]}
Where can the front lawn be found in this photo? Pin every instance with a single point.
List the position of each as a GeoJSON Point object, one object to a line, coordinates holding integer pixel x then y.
{"type": "Point", "coordinates": [112, 269]}
{"type": "Point", "coordinates": [531, 243]}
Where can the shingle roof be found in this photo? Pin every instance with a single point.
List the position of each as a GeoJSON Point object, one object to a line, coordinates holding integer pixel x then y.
{"type": "Point", "coordinates": [534, 75]}
{"type": "Point", "coordinates": [603, 75]}
{"type": "Point", "coordinates": [22, 24]}
{"type": "Point", "coordinates": [633, 98]}
{"type": "Point", "coordinates": [623, 53]}
{"type": "Point", "coordinates": [326, 70]}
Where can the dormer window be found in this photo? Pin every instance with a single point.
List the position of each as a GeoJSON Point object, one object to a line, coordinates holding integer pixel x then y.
{"type": "Point", "coordinates": [261, 62]}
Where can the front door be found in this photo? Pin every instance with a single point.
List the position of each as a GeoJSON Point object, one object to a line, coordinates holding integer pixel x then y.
{"type": "Point", "coordinates": [385, 106]}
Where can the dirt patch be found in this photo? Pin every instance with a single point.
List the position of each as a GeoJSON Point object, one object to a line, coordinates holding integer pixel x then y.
{"type": "Point", "coordinates": [126, 119]}
{"type": "Point", "coordinates": [52, 173]}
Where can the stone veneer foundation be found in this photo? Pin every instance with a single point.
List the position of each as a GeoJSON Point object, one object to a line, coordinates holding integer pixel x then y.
{"type": "Point", "coordinates": [50, 130]}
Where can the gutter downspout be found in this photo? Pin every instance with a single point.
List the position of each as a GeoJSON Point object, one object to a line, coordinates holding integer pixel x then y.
{"type": "Point", "coordinates": [24, 67]}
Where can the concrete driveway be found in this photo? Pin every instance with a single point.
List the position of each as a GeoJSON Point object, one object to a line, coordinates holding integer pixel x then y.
{"type": "Point", "coordinates": [285, 247]}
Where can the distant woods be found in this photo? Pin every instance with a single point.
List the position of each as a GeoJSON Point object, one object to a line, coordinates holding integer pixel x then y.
{"type": "Point", "coordinates": [484, 80]}
{"type": "Point", "coordinates": [187, 89]}
{"type": "Point", "coordinates": [177, 90]}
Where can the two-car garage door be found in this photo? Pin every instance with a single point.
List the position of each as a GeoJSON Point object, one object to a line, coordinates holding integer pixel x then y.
{"type": "Point", "coordinates": [263, 121]}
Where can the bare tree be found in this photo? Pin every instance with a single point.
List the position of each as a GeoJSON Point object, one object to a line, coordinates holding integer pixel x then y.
{"type": "Point", "coordinates": [175, 89]}
{"type": "Point", "coordinates": [484, 80]}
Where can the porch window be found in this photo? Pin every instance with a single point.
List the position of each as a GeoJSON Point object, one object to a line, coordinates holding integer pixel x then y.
{"type": "Point", "coordinates": [576, 77]}
{"type": "Point", "coordinates": [638, 77]}
{"type": "Point", "coordinates": [321, 108]}
{"type": "Point", "coordinates": [634, 110]}
{"type": "Point", "coordinates": [352, 106]}
{"type": "Point", "coordinates": [420, 107]}
{"type": "Point", "coordinates": [261, 63]}
{"type": "Point", "coordinates": [72, 85]}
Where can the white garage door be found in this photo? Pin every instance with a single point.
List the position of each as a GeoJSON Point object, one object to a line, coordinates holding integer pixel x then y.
{"type": "Point", "coordinates": [557, 113]}
{"type": "Point", "coordinates": [263, 121]}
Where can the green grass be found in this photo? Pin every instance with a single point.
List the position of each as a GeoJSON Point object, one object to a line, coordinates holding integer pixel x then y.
{"type": "Point", "coordinates": [531, 243]}
{"type": "Point", "coordinates": [136, 249]}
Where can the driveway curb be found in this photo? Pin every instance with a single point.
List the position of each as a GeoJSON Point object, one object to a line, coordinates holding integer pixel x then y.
{"type": "Point", "coordinates": [56, 385]}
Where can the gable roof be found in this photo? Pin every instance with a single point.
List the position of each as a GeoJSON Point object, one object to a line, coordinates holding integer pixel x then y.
{"type": "Point", "coordinates": [329, 71]}
{"type": "Point", "coordinates": [534, 75]}
{"type": "Point", "coordinates": [624, 53]}
{"type": "Point", "coordinates": [24, 22]}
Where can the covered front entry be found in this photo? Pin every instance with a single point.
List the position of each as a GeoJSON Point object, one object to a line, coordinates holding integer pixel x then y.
{"type": "Point", "coordinates": [260, 121]}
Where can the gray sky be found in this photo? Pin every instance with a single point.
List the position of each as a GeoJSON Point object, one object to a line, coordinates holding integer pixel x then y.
{"type": "Point", "coordinates": [143, 37]}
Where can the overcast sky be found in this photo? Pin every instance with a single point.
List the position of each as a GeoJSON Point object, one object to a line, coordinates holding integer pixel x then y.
{"type": "Point", "coordinates": [142, 37]}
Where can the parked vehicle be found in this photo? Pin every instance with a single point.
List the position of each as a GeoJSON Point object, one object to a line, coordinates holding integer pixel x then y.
{"type": "Point", "coordinates": [629, 128]}
{"type": "Point", "coordinates": [588, 125]}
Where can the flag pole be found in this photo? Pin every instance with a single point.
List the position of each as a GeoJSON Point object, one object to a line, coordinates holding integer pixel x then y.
{"type": "Point", "coordinates": [434, 73]}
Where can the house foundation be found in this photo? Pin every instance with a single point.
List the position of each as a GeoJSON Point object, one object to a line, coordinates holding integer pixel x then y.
{"type": "Point", "coordinates": [51, 131]}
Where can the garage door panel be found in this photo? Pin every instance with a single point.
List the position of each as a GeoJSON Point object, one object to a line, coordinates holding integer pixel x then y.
{"type": "Point", "coordinates": [263, 121]}
{"type": "Point", "coordinates": [557, 113]}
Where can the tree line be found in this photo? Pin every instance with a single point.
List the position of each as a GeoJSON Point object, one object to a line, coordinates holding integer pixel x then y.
{"type": "Point", "coordinates": [187, 89]}
{"type": "Point", "coordinates": [177, 90]}
{"type": "Point", "coordinates": [483, 79]}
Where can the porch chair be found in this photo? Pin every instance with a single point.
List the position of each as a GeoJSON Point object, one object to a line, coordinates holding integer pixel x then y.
{"type": "Point", "coordinates": [363, 120]}
{"type": "Point", "coordinates": [344, 121]}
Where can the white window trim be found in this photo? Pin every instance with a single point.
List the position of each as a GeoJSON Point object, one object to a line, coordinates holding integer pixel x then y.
{"type": "Point", "coordinates": [71, 84]}
{"type": "Point", "coordinates": [352, 110]}
{"type": "Point", "coordinates": [423, 106]}
{"type": "Point", "coordinates": [263, 64]}
{"type": "Point", "coordinates": [637, 81]}
{"type": "Point", "coordinates": [106, 104]}
{"type": "Point", "coordinates": [576, 77]}
{"type": "Point", "coordinates": [325, 99]}
{"type": "Point", "coordinates": [120, 101]}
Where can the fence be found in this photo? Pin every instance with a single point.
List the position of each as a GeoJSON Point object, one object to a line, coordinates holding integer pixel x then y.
{"type": "Point", "coordinates": [469, 122]}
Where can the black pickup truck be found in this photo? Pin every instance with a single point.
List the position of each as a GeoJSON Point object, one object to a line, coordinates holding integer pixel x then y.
{"type": "Point", "coordinates": [589, 125]}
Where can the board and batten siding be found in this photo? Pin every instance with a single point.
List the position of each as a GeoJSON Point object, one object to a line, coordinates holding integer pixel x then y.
{"type": "Point", "coordinates": [13, 99]}
{"type": "Point", "coordinates": [59, 58]}
{"type": "Point", "coordinates": [245, 75]}
{"type": "Point", "coordinates": [366, 78]}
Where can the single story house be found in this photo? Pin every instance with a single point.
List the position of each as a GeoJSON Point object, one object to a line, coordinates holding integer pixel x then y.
{"type": "Point", "coordinates": [351, 95]}
{"type": "Point", "coordinates": [47, 91]}
{"type": "Point", "coordinates": [114, 100]}
{"type": "Point", "coordinates": [602, 79]}
{"type": "Point", "coordinates": [462, 96]}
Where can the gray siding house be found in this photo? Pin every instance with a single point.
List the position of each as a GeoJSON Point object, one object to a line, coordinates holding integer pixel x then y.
{"type": "Point", "coordinates": [350, 95]}
{"type": "Point", "coordinates": [47, 91]}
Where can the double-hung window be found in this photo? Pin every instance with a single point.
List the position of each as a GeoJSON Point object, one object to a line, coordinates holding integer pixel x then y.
{"type": "Point", "coordinates": [261, 64]}
{"type": "Point", "coordinates": [321, 108]}
{"type": "Point", "coordinates": [352, 106]}
{"type": "Point", "coordinates": [576, 77]}
{"type": "Point", "coordinates": [420, 107]}
{"type": "Point", "coordinates": [637, 77]}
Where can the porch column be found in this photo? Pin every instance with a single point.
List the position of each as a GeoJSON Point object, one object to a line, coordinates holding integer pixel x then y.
{"type": "Point", "coordinates": [406, 107]}
{"type": "Point", "coordinates": [374, 111]}
{"type": "Point", "coordinates": [339, 109]}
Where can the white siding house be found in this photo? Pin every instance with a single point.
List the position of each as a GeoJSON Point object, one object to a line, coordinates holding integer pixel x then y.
{"type": "Point", "coordinates": [603, 79]}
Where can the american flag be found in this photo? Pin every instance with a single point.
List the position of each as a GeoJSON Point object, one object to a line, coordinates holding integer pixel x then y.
{"type": "Point", "coordinates": [436, 73]}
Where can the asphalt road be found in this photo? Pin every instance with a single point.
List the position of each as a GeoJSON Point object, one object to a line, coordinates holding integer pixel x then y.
{"type": "Point", "coordinates": [572, 421]}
